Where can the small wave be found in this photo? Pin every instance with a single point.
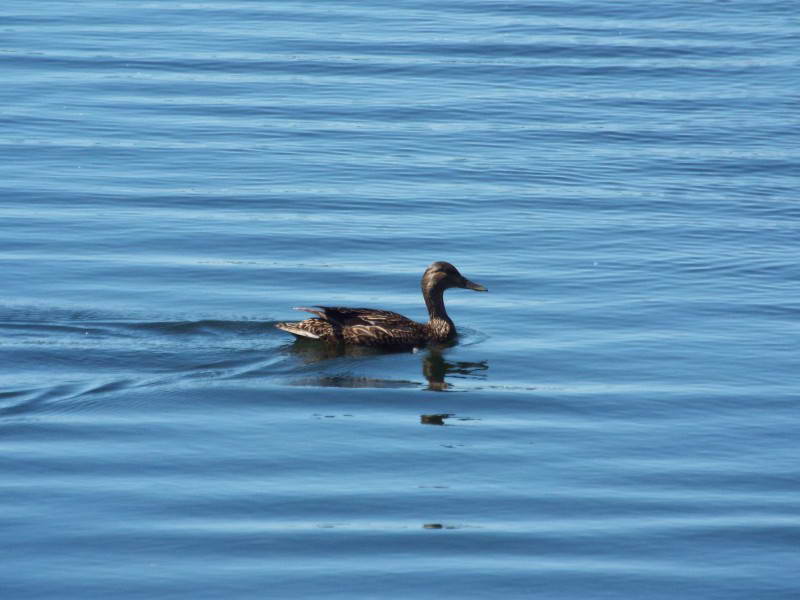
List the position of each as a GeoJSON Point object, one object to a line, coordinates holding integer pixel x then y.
{"type": "Point", "coordinates": [31, 400]}
{"type": "Point", "coordinates": [470, 337]}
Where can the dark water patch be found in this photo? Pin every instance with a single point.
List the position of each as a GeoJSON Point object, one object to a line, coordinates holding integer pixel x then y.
{"type": "Point", "coordinates": [202, 328]}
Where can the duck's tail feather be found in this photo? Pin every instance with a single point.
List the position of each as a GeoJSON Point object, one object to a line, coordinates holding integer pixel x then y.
{"type": "Point", "coordinates": [297, 329]}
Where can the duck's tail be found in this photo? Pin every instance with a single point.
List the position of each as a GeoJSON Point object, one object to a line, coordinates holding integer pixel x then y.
{"type": "Point", "coordinates": [297, 329]}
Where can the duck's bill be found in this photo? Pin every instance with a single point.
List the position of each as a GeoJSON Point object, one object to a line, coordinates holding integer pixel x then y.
{"type": "Point", "coordinates": [471, 285]}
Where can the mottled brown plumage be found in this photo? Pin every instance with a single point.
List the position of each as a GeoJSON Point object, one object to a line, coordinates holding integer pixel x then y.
{"type": "Point", "coordinates": [373, 327]}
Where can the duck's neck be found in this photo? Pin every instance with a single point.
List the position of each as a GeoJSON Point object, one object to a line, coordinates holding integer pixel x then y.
{"type": "Point", "coordinates": [440, 325]}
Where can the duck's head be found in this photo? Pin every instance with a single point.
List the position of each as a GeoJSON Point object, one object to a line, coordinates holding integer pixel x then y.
{"type": "Point", "coordinates": [443, 275]}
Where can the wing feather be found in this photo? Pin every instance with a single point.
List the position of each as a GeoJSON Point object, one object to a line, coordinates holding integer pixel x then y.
{"type": "Point", "coordinates": [364, 316]}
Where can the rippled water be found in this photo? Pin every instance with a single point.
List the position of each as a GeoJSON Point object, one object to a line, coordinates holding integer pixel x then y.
{"type": "Point", "coordinates": [618, 417]}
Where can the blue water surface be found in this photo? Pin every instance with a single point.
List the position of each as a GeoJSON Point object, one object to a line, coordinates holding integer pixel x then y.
{"type": "Point", "coordinates": [618, 417]}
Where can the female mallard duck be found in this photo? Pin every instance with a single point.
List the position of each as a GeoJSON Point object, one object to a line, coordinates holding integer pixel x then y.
{"type": "Point", "coordinates": [372, 327]}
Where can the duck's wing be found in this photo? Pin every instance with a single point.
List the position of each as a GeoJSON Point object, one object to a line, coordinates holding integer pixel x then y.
{"type": "Point", "coordinates": [348, 317]}
{"type": "Point", "coordinates": [370, 326]}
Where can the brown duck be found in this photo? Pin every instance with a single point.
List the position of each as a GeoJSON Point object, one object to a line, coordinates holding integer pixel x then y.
{"type": "Point", "coordinates": [373, 327]}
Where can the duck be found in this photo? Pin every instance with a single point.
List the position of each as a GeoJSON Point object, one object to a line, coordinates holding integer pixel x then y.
{"type": "Point", "coordinates": [384, 328]}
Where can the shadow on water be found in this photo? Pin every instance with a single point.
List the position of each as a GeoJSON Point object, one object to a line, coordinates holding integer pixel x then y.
{"type": "Point", "coordinates": [435, 368]}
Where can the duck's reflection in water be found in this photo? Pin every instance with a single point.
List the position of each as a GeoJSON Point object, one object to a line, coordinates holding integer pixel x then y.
{"type": "Point", "coordinates": [434, 419]}
{"type": "Point", "coordinates": [435, 368]}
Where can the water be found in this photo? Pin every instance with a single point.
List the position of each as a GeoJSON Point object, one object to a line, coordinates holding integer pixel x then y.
{"type": "Point", "coordinates": [618, 419]}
